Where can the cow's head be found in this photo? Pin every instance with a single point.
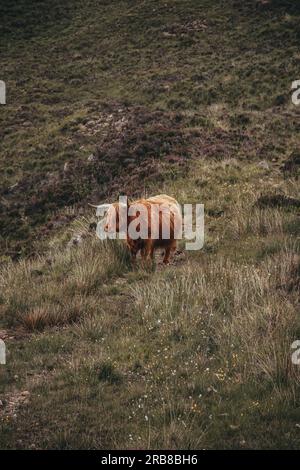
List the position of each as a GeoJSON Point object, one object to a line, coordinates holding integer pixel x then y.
{"type": "Point", "coordinates": [116, 218]}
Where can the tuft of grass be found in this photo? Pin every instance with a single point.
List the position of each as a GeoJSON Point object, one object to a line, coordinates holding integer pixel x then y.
{"type": "Point", "coordinates": [60, 289]}
{"type": "Point", "coordinates": [107, 373]}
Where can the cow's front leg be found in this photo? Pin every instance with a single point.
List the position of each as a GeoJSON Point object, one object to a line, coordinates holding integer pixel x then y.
{"type": "Point", "coordinates": [132, 250]}
{"type": "Point", "coordinates": [148, 250]}
{"type": "Point", "coordinates": [169, 249]}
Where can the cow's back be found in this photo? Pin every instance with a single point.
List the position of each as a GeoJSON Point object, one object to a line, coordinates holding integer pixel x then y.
{"type": "Point", "coordinates": [171, 213]}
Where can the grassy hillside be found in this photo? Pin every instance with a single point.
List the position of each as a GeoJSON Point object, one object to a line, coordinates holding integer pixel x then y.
{"type": "Point", "coordinates": [191, 98]}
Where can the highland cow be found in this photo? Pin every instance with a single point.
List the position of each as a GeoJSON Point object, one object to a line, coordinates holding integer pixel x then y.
{"type": "Point", "coordinates": [149, 224]}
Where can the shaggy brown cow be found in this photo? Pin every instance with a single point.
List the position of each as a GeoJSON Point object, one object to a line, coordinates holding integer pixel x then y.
{"type": "Point", "coordinates": [157, 219]}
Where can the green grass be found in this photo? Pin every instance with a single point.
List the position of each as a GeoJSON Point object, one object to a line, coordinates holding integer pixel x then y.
{"type": "Point", "coordinates": [178, 97]}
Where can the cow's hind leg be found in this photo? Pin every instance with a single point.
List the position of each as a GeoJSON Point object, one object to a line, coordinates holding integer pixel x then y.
{"type": "Point", "coordinates": [169, 250]}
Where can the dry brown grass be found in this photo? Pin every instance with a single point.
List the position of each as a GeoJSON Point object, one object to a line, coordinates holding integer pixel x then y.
{"type": "Point", "coordinates": [244, 310]}
{"type": "Point", "coordinates": [60, 289]}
